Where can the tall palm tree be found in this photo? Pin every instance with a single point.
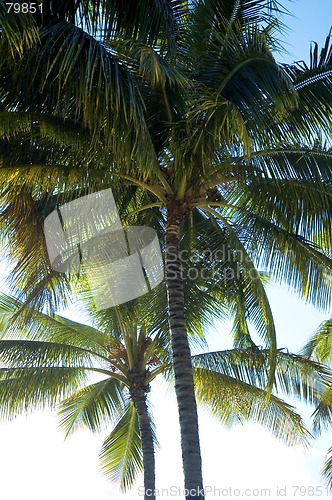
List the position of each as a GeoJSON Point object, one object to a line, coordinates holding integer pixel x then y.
{"type": "Point", "coordinates": [98, 378]}
{"type": "Point", "coordinates": [210, 129]}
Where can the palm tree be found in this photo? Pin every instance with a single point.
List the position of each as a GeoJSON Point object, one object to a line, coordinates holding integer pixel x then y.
{"type": "Point", "coordinates": [210, 130]}
{"type": "Point", "coordinates": [100, 377]}
{"type": "Point", "coordinates": [97, 378]}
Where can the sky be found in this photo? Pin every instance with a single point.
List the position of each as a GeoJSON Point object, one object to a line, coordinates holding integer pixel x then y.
{"type": "Point", "coordinates": [310, 20]}
{"type": "Point", "coordinates": [37, 463]}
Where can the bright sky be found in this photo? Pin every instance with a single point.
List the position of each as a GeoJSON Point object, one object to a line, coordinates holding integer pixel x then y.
{"type": "Point", "coordinates": [36, 463]}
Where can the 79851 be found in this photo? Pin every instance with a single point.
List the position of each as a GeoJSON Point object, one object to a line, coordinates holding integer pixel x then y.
{"type": "Point", "coordinates": [24, 8]}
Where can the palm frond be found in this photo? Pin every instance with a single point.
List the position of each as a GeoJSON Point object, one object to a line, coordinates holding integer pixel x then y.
{"type": "Point", "coordinates": [45, 126]}
{"type": "Point", "coordinates": [49, 328]}
{"type": "Point", "coordinates": [84, 71]}
{"type": "Point", "coordinates": [233, 401]}
{"type": "Point", "coordinates": [243, 89]}
{"type": "Point", "coordinates": [296, 376]}
{"type": "Point", "coordinates": [23, 390]}
{"type": "Point", "coordinates": [121, 453]}
{"type": "Point", "coordinates": [215, 14]}
{"type": "Point", "coordinates": [320, 344]}
{"type": "Point", "coordinates": [18, 32]}
{"type": "Point", "coordinates": [255, 305]}
{"type": "Point", "coordinates": [27, 353]}
{"type": "Point", "coordinates": [313, 83]}
{"type": "Point", "coordinates": [327, 469]}
{"type": "Point", "coordinates": [323, 412]}
{"type": "Point", "coordinates": [95, 406]}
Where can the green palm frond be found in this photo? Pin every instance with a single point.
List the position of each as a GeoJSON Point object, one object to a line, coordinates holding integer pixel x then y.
{"type": "Point", "coordinates": [83, 69]}
{"type": "Point", "coordinates": [320, 344]}
{"type": "Point", "coordinates": [219, 15]}
{"type": "Point", "coordinates": [327, 469]}
{"type": "Point", "coordinates": [150, 21]}
{"type": "Point", "coordinates": [32, 354]}
{"type": "Point", "coordinates": [24, 236]}
{"type": "Point", "coordinates": [252, 303]}
{"type": "Point", "coordinates": [292, 259]}
{"type": "Point", "coordinates": [323, 413]}
{"type": "Point", "coordinates": [18, 32]}
{"type": "Point", "coordinates": [95, 406]}
{"type": "Point", "coordinates": [296, 376]}
{"type": "Point", "coordinates": [300, 378]}
{"type": "Point", "coordinates": [313, 84]}
{"type": "Point", "coordinates": [39, 374]}
{"type": "Point", "coordinates": [319, 347]}
{"type": "Point", "coordinates": [60, 54]}
{"type": "Point", "coordinates": [42, 126]}
{"type": "Point", "coordinates": [241, 89]}
{"type": "Point", "coordinates": [232, 401]}
{"type": "Point", "coordinates": [49, 328]}
{"type": "Point", "coordinates": [121, 455]}
{"type": "Point", "coordinates": [24, 390]}
{"type": "Point", "coordinates": [293, 161]}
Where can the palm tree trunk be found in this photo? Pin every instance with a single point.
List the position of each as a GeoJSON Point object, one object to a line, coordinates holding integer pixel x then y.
{"type": "Point", "coordinates": [184, 383]}
{"type": "Point", "coordinates": [139, 397]}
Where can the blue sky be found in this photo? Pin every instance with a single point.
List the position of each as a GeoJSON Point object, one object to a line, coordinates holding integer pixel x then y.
{"type": "Point", "coordinates": [36, 463]}
{"type": "Point", "coordinates": [311, 20]}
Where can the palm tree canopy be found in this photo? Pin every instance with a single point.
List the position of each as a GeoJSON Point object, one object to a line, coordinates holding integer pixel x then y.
{"type": "Point", "coordinates": [83, 371]}
{"type": "Point", "coordinates": [234, 137]}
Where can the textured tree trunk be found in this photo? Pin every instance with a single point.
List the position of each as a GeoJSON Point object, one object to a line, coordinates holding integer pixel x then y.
{"type": "Point", "coordinates": [144, 422]}
{"type": "Point", "coordinates": [184, 383]}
